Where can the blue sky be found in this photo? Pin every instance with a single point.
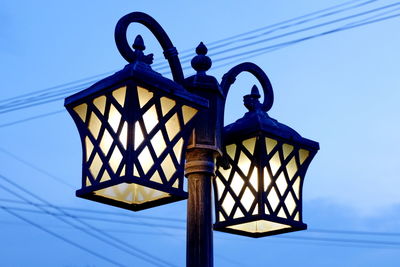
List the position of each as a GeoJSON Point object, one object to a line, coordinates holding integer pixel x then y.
{"type": "Point", "coordinates": [340, 90]}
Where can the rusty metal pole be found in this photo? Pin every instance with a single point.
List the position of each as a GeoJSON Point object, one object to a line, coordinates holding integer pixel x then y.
{"type": "Point", "coordinates": [203, 149]}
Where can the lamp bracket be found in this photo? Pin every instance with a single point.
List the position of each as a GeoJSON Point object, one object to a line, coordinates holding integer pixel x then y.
{"type": "Point", "coordinates": [170, 52]}
{"type": "Point", "coordinates": [229, 78]}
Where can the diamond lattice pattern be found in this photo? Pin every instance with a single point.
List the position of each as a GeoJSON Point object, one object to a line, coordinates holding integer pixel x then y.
{"type": "Point", "coordinates": [237, 186]}
{"type": "Point", "coordinates": [282, 178]}
{"type": "Point", "coordinates": [158, 128]}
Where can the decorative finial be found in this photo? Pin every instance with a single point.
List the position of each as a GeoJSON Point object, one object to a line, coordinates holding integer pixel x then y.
{"type": "Point", "coordinates": [201, 63]}
{"type": "Point", "coordinates": [251, 101]}
{"type": "Point", "coordinates": [139, 47]}
{"type": "Point", "coordinates": [138, 44]}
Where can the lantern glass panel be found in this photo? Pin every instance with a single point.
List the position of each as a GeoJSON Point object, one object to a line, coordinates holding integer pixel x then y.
{"type": "Point", "coordinates": [260, 226]}
{"type": "Point", "coordinates": [133, 140]}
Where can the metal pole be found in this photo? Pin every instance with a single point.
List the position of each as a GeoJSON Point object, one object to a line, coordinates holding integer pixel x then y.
{"type": "Point", "coordinates": [199, 171]}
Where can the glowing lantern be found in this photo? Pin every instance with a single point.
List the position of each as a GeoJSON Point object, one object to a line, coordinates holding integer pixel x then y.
{"type": "Point", "coordinates": [260, 193]}
{"type": "Point", "coordinates": [134, 127]}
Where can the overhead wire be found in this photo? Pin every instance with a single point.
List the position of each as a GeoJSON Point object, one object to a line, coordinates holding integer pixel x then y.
{"type": "Point", "coordinates": [100, 235]}
{"type": "Point", "coordinates": [61, 237]}
{"type": "Point", "coordinates": [53, 97]}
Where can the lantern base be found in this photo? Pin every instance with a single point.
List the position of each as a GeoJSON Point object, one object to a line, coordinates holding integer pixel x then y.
{"type": "Point", "coordinates": [259, 228]}
{"type": "Point", "coordinates": [136, 198]}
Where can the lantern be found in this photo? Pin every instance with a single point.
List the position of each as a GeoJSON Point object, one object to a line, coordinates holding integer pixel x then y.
{"type": "Point", "coordinates": [260, 193]}
{"type": "Point", "coordinates": [134, 127]}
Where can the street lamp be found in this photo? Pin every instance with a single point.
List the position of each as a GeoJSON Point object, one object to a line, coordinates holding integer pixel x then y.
{"type": "Point", "coordinates": [134, 127]}
{"type": "Point", "coordinates": [260, 193]}
{"type": "Point", "coordinates": [142, 132]}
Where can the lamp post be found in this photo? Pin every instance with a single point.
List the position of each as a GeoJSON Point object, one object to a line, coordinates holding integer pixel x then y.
{"type": "Point", "coordinates": [141, 133]}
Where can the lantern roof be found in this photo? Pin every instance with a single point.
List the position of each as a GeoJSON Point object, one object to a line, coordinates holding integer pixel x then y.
{"type": "Point", "coordinates": [256, 120]}
{"type": "Point", "coordinates": [139, 71]}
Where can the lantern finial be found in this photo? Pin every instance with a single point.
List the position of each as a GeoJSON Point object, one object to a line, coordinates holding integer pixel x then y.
{"type": "Point", "coordinates": [251, 101]}
{"type": "Point", "coordinates": [139, 47]}
{"type": "Point", "coordinates": [201, 63]}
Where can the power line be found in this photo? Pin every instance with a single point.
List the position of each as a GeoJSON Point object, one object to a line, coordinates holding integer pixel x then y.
{"type": "Point", "coordinates": [61, 237]}
{"type": "Point", "coordinates": [271, 29]}
{"type": "Point", "coordinates": [115, 242]}
{"type": "Point", "coordinates": [16, 105]}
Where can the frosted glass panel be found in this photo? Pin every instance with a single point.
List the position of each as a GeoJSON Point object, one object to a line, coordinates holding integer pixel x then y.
{"type": "Point", "coordinates": [114, 118]}
{"type": "Point", "coordinates": [94, 125]}
{"type": "Point", "coordinates": [158, 143]}
{"type": "Point", "coordinates": [100, 103]}
{"type": "Point", "coordinates": [173, 127]}
{"type": "Point", "coordinates": [150, 119]}
{"type": "Point", "coordinates": [250, 144]}
{"type": "Point", "coordinates": [145, 160]}
{"type": "Point", "coordinates": [119, 95]}
{"type": "Point", "coordinates": [188, 113]}
{"type": "Point", "coordinates": [287, 149]}
{"type": "Point", "coordinates": [270, 144]}
{"type": "Point", "coordinates": [166, 105]}
{"type": "Point", "coordinates": [131, 193]}
{"type": "Point", "coordinates": [115, 160]}
{"type": "Point", "coordinates": [260, 226]}
{"type": "Point", "coordinates": [81, 111]}
{"type": "Point", "coordinates": [144, 96]}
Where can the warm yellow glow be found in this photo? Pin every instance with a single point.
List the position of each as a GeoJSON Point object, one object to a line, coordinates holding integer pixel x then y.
{"type": "Point", "coordinates": [270, 144]}
{"type": "Point", "coordinates": [291, 168]}
{"type": "Point", "coordinates": [158, 143]}
{"type": "Point", "coordinates": [254, 179]}
{"type": "Point", "coordinates": [106, 142]}
{"type": "Point", "coordinates": [236, 184]}
{"type": "Point", "coordinates": [114, 118]}
{"type": "Point", "coordinates": [290, 203]}
{"type": "Point", "coordinates": [282, 213]}
{"type": "Point", "coordinates": [119, 95]}
{"type": "Point", "coordinates": [100, 103]}
{"type": "Point", "coordinates": [166, 105]}
{"type": "Point", "coordinates": [105, 177]}
{"type": "Point", "coordinates": [131, 193]}
{"type": "Point", "coordinates": [145, 160]}
{"type": "Point", "coordinates": [238, 214]}
{"type": "Point", "coordinates": [94, 125]}
{"type": "Point", "coordinates": [156, 178]}
{"type": "Point", "coordinates": [123, 137]}
{"type": "Point", "coordinates": [150, 119]}
{"type": "Point", "coordinates": [188, 113]}
{"type": "Point", "coordinates": [260, 226]}
{"type": "Point", "coordinates": [231, 150]}
{"type": "Point", "coordinates": [287, 149]}
{"type": "Point", "coordinates": [172, 126]}
{"type": "Point", "coordinates": [247, 199]}
{"type": "Point", "coordinates": [89, 148]}
{"type": "Point", "coordinates": [81, 111]}
{"type": "Point", "coordinates": [178, 149]}
{"type": "Point", "coordinates": [228, 203]}
{"type": "Point", "coordinates": [296, 187]}
{"type": "Point", "coordinates": [144, 96]}
{"type": "Point", "coordinates": [303, 155]}
{"type": "Point", "coordinates": [275, 163]}
{"type": "Point", "coordinates": [281, 183]}
{"type": "Point", "coordinates": [95, 166]}
{"type": "Point", "coordinates": [273, 199]}
{"type": "Point", "coordinates": [138, 139]}
{"type": "Point", "coordinates": [115, 159]}
{"type": "Point", "coordinates": [244, 163]}
{"type": "Point", "coordinates": [168, 167]}
{"type": "Point", "coordinates": [250, 144]}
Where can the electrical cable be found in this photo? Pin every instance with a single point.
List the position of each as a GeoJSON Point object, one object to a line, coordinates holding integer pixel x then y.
{"type": "Point", "coordinates": [134, 250]}
{"type": "Point", "coordinates": [61, 237]}
{"type": "Point", "coordinates": [252, 53]}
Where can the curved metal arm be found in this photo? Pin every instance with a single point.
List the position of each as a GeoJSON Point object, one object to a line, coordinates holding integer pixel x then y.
{"type": "Point", "coordinates": [229, 78]}
{"type": "Point", "coordinates": [170, 52]}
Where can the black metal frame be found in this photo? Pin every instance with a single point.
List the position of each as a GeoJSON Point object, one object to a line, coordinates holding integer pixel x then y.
{"type": "Point", "coordinates": [137, 73]}
{"type": "Point", "coordinates": [257, 124]}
